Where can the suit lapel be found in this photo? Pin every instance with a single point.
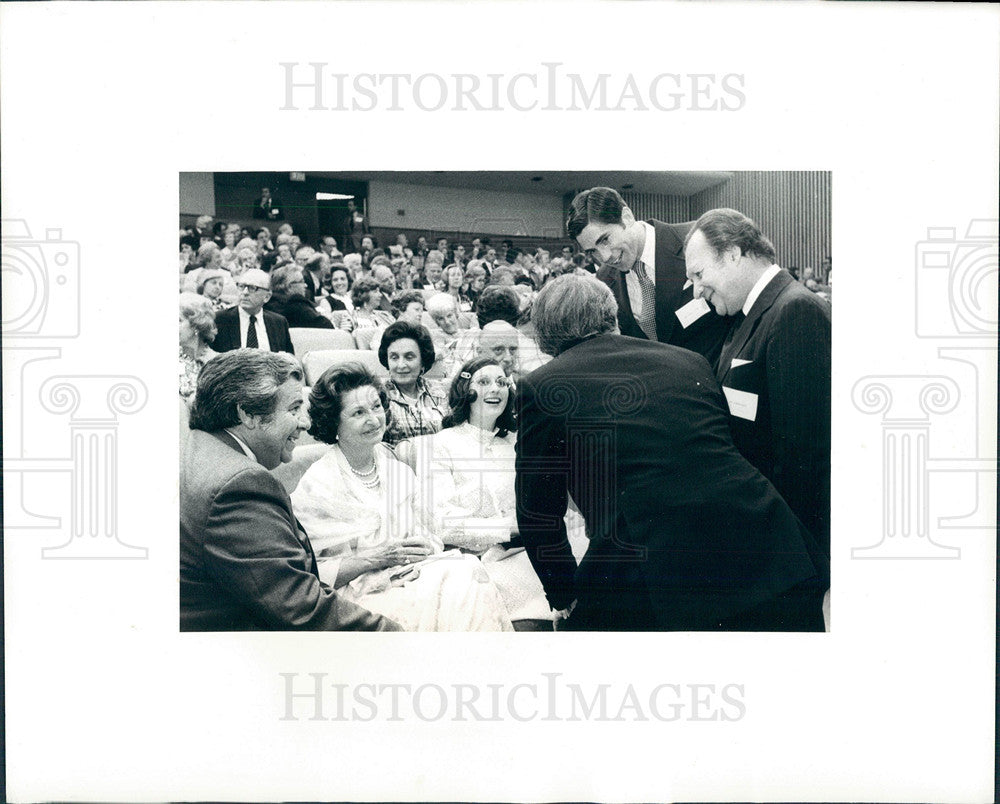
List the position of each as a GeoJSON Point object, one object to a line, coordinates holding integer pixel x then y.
{"type": "Point", "coordinates": [764, 301]}
{"type": "Point", "coordinates": [224, 438]}
{"type": "Point", "coordinates": [670, 279]}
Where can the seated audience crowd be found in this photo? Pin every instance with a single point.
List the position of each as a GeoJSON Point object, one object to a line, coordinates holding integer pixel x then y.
{"type": "Point", "coordinates": [350, 498]}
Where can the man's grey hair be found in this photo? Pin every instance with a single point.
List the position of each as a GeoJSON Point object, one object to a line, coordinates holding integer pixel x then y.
{"type": "Point", "coordinates": [243, 378]}
{"type": "Point", "coordinates": [570, 308]}
{"type": "Point", "coordinates": [282, 277]}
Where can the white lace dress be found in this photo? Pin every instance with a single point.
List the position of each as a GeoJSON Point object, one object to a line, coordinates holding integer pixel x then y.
{"type": "Point", "coordinates": [467, 479]}
{"type": "Point", "coordinates": [342, 516]}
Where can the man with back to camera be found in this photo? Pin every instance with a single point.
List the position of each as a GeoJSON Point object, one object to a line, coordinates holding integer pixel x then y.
{"type": "Point", "coordinates": [685, 534]}
{"type": "Point", "coordinates": [245, 563]}
{"type": "Point", "coordinates": [248, 324]}
{"type": "Point", "coordinates": [643, 264]}
{"type": "Point", "coordinates": [775, 366]}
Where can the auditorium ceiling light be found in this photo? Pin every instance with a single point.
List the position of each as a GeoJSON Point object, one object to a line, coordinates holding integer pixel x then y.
{"type": "Point", "coordinates": [333, 197]}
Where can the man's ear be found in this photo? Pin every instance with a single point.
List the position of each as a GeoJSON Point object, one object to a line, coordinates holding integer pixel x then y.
{"type": "Point", "coordinates": [733, 254]}
{"type": "Point", "coordinates": [248, 420]}
{"type": "Point", "coordinates": [627, 217]}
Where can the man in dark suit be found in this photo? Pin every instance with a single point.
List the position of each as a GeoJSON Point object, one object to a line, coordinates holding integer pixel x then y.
{"type": "Point", "coordinates": [248, 324]}
{"type": "Point", "coordinates": [775, 366]}
{"type": "Point", "coordinates": [684, 533]}
{"type": "Point", "coordinates": [245, 563]}
{"type": "Point", "coordinates": [643, 264]}
{"type": "Point", "coordinates": [267, 207]}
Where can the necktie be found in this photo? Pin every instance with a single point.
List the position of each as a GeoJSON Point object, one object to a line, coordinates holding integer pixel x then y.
{"type": "Point", "coordinates": [252, 342]}
{"type": "Point", "coordinates": [647, 318]}
{"type": "Point", "coordinates": [738, 319]}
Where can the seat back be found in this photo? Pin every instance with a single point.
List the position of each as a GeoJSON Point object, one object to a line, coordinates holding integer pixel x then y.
{"type": "Point", "coordinates": [308, 339]}
{"type": "Point", "coordinates": [318, 361]}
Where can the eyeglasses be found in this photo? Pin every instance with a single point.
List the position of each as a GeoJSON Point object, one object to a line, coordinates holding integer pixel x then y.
{"type": "Point", "coordinates": [501, 382]}
{"type": "Point", "coordinates": [249, 288]}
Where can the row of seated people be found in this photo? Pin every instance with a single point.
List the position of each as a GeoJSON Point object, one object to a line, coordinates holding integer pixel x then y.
{"type": "Point", "coordinates": [285, 245]}
{"type": "Point", "coordinates": [417, 360]}
{"type": "Point", "coordinates": [422, 532]}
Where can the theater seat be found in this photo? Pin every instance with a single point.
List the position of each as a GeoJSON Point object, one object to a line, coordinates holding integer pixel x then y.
{"type": "Point", "coordinates": [364, 337]}
{"type": "Point", "coordinates": [318, 361]}
{"type": "Point", "coordinates": [307, 339]}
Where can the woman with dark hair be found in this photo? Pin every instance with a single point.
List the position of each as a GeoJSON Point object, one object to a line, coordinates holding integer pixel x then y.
{"type": "Point", "coordinates": [373, 540]}
{"type": "Point", "coordinates": [467, 475]}
{"type": "Point", "coordinates": [365, 294]}
{"type": "Point", "coordinates": [416, 407]}
{"type": "Point", "coordinates": [454, 284]}
{"type": "Point", "coordinates": [197, 331]}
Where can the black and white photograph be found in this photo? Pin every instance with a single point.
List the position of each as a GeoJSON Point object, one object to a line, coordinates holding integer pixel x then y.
{"type": "Point", "coordinates": [507, 331]}
{"type": "Point", "coordinates": [536, 406]}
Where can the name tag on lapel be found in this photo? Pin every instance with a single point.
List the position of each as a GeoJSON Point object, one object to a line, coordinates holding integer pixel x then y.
{"type": "Point", "coordinates": [742, 404]}
{"type": "Point", "coordinates": [737, 362]}
{"type": "Point", "coordinates": [692, 311]}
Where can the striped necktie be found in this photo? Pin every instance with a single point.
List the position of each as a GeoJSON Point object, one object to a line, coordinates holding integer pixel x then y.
{"type": "Point", "coordinates": [252, 342]}
{"type": "Point", "coordinates": [647, 318]}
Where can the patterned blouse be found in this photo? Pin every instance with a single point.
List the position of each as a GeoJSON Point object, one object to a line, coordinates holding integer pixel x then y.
{"type": "Point", "coordinates": [412, 417]}
{"type": "Point", "coordinates": [190, 368]}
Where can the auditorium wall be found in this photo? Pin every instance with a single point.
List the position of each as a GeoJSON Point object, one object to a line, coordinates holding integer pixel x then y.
{"type": "Point", "coordinates": [666, 208]}
{"type": "Point", "coordinates": [793, 208]}
{"type": "Point", "coordinates": [459, 209]}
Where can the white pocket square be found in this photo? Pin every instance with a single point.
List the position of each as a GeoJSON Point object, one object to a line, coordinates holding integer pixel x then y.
{"type": "Point", "coordinates": [737, 363]}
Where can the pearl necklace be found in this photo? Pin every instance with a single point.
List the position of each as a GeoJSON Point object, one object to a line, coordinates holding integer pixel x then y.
{"type": "Point", "coordinates": [369, 479]}
{"type": "Point", "coordinates": [369, 473]}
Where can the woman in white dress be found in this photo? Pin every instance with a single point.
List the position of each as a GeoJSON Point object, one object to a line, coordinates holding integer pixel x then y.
{"type": "Point", "coordinates": [467, 476]}
{"type": "Point", "coordinates": [361, 509]}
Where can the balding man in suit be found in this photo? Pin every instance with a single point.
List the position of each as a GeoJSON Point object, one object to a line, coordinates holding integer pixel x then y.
{"type": "Point", "coordinates": [775, 366]}
{"type": "Point", "coordinates": [248, 324]}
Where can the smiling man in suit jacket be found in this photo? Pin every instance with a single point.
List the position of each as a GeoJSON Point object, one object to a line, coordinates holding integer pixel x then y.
{"type": "Point", "coordinates": [775, 365]}
{"type": "Point", "coordinates": [643, 264]}
{"type": "Point", "coordinates": [245, 562]}
{"type": "Point", "coordinates": [248, 324]}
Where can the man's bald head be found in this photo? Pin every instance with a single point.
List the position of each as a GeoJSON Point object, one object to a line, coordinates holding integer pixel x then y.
{"type": "Point", "coordinates": [499, 340]}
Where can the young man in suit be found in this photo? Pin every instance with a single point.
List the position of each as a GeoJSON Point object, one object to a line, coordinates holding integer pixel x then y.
{"type": "Point", "coordinates": [248, 324]}
{"type": "Point", "coordinates": [643, 264]}
{"type": "Point", "coordinates": [684, 533]}
{"type": "Point", "coordinates": [775, 365]}
{"type": "Point", "coordinates": [245, 563]}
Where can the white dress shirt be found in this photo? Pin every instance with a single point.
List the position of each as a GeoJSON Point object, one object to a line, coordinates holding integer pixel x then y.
{"type": "Point", "coordinates": [758, 288]}
{"type": "Point", "coordinates": [262, 341]}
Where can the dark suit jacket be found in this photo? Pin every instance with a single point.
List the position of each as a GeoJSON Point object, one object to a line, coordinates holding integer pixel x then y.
{"type": "Point", "coordinates": [704, 336]}
{"type": "Point", "coordinates": [786, 343]}
{"type": "Point", "coordinates": [245, 564]}
{"type": "Point", "coordinates": [275, 210]}
{"type": "Point", "coordinates": [298, 311]}
{"type": "Point", "coordinates": [684, 533]}
{"type": "Point", "coordinates": [228, 337]}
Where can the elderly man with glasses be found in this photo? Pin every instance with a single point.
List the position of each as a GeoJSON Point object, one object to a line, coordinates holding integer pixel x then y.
{"type": "Point", "coordinates": [249, 324]}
